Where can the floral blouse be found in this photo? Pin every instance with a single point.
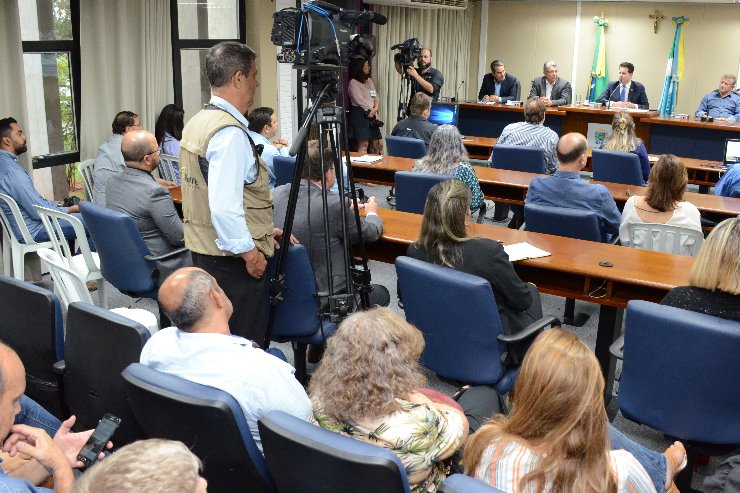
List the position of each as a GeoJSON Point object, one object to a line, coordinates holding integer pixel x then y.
{"type": "Point", "coordinates": [419, 434]}
{"type": "Point", "coordinates": [465, 173]}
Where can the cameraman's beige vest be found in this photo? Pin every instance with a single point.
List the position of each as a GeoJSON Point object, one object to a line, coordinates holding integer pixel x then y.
{"type": "Point", "coordinates": [200, 234]}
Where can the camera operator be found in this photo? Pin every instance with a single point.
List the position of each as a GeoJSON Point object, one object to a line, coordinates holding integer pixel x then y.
{"type": "Point", "coordinates": [424, 78]}
{"type": "Point", "coordinates": [364, 123]}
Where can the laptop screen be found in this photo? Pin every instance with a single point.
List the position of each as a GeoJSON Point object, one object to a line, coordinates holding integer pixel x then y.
{"type": "Point", "coordinates": [444, 114]}
{"type": "Point", "coordinates": [732, 151]}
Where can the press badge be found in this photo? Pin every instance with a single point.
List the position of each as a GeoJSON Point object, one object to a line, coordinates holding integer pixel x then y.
{"type": "Point", "coordinates": [373, 93]}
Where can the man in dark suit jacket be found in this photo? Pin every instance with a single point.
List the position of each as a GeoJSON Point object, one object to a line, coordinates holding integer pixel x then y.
{"type": "Point", "coordinates": [135, 192]}
{"type": "Point", "coordinates": [551, 89]}
{"type": "Point", "coordinates": [625, 92]}
{"type": "Point", "coordinates": [498, 86]}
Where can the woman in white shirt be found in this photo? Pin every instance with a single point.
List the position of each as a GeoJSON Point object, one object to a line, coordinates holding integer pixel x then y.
{"type": "Point", "coordinates": [662, 204]}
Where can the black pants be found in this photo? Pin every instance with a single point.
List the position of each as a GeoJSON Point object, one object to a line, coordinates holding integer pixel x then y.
{"type": "Point", "coordinates": [247, 294]}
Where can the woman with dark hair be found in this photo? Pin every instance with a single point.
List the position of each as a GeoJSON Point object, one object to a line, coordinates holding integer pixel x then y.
{"type": "Point", "coordinates": [168, 130]}
{"type": "Point", "coordinates": [623, 139]}
{"type": "Point", "coordinates": [364, 103]}
{"type": "Point", "coordinates": [662, 204]}
{"type": "Point", "coordinates": [444, 241]}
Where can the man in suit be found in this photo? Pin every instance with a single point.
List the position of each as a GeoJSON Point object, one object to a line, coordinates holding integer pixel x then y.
{"type": "Point", "coordinates": [625, 92]}
{"type": "Point", "coordinates": [498, 86]}
{"type": "Point", "coordinates": [310, 230]}
{"type": "Point", "coordinates": [551, 89]}
{"type": "Point", "coordinates": [134, 192]}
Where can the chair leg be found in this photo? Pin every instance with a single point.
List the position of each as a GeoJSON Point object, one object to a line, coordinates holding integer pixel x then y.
{"type": "Point", "coordinates": [6, 257]}
{"type": "Point", "coordinates": [19, 265]}
{"type": "Point", "coordinates": [102, 300]}
{"type": "Point", "coordinates": [299, 360]}
{"type": "Point", "coordinates": [570, 317]}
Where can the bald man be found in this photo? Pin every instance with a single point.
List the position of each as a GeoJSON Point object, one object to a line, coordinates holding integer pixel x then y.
{"type": "Point", "coordinates": [565, 188]}
{"type": "Point", "coordinates": [135, 192]}
{"type": "Point", "coordinates": [201, 348]}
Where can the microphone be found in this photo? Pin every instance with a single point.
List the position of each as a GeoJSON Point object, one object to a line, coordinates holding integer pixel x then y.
{"type": "Point", "coordinates": [609, 99]}
{"type": "Point", "coordinates": [358, 16]}
{"type": "Point", "coordinates": [458, 88]}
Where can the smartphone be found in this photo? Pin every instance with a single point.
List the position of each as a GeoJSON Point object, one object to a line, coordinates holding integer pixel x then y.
{"type": "Point", "coordinates": [97, 441]}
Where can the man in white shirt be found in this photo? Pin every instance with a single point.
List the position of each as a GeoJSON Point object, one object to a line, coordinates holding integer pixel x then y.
{"type": "Point", "coordinates": [201, 348]}
{"type": "Point", "coordinates": [263, 126]}
{"type": "Point", "coordinates": [551, 89]}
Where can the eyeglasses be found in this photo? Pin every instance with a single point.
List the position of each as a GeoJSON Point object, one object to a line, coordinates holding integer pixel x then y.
{"type": "Point", "coordinates": [156, 151]}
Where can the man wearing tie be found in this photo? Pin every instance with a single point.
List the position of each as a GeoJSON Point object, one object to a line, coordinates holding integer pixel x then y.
{"type": "Point", "coordinates": [498, 86]}
{"type": "Point", "coordinates": [625, 92]}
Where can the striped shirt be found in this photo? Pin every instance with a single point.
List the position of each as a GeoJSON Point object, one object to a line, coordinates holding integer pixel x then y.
{"type": "Point", "coordinates": [503, 466]}
{"type": "Point", "coordinates": [536, 135]}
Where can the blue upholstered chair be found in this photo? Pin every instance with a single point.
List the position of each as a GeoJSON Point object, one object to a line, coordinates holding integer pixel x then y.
{"type": "Point", "coordinates": [283, 167]}
{"type": "Point", "coordinates": [460, 483]}
{"type": "Point", "coordinates": [303, 457]}
{"type": "Point", "coordinates": [208, 420]}
{"type": "Point", "coordinates": [405, 147]}
{"type": "Point", "coordinates": [518, 158]}
{"type": "Point", "coordinates": [680, 376]}
{"type": "Point", "coordinates": [32, 324]}
{"type": "Point", "coordinates": [297, 317]}
{"type": "Point", "coordinates": [462, 344]}
{"type": "Point", "coordinates": [412, 189]}
{"type": "Point", "coordinates": [616, 167]}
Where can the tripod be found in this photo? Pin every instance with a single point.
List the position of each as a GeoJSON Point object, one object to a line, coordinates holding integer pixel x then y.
{"type": "Point", "coordinates": [404, 96]}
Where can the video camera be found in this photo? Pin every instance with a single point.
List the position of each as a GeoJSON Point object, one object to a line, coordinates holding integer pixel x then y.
{"type": "Point", "coordinates": [408, 52]}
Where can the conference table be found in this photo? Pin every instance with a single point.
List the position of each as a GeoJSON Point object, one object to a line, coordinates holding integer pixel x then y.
{"type": "Point", "coordinates": [489, 119]}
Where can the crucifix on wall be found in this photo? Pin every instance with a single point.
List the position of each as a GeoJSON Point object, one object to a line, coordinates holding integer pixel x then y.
{"type": "Point", "coordinates": [657, 16]}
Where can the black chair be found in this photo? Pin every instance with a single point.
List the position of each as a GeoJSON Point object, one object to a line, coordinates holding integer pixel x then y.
{"type": "Point", "coordinates": [32, 324]}
{"type": "Point", "coordinates": [98, 346]}
{"type": "Point", "coordinates": [208, 420]}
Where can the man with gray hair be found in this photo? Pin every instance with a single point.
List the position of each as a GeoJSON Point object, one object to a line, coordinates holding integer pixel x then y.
{"type": "Point", "coordinates": [200, 348]}
{"type": "Point", "coordinates": [722, 104]}
{"type": "Point", "coordinates": [417, 124]}
{"type": "Point", "coordinates": [551, 89]}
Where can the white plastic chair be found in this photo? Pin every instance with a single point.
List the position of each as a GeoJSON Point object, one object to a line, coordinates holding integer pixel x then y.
{"type": "Point", "coordinates": [14, 249]}
{"type": "Point", "coordinates": [87, 263]}
{"type": "Point", "coordinates": [86, 170]}
{"type": "Point", "coordinates": [169, 168]}
{"type": "Point", "coordinates": [666, 238]}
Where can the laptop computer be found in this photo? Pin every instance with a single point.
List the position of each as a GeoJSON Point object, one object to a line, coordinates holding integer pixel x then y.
{"type": "Point", "coordinates": [732, 152]}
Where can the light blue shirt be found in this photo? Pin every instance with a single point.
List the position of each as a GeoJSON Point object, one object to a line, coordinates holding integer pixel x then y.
{"type": "Point", "coordinates": [14, 181]}
{"type": "Point", "coordinates": [717, 106]}
{"type": "Point", "coordinates": [268, 153]}
{"type": "Point", "coordinates": [729, 182]}
{"type": "Point", "coordinates": [170, 145]}
{"type": "Point", "coordinates": [497, 88]}
{"type": "Point", "coordinates": [231, 165]}
{"type": "Point", "coordinates": [259, 381]}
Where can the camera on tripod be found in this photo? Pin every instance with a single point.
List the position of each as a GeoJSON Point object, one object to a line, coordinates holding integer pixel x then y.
{"type": "Point", "coordinates": [408, 52]}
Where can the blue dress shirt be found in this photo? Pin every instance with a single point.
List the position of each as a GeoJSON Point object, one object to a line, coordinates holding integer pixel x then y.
{"type": "Point", "coordinates": [717, 106]}
{"type": "Point", "coordinates": [729, 182]}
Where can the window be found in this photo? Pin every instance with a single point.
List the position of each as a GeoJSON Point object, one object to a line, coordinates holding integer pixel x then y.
{"type": "Point", "coordinates": [51, 54]}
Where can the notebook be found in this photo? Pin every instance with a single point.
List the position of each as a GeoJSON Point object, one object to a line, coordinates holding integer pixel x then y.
{"type": "Point", "coordinates": [524, 251]}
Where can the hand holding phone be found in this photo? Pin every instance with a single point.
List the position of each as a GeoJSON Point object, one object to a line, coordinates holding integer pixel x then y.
{"type": "Point", "coordinates": [98, 440]}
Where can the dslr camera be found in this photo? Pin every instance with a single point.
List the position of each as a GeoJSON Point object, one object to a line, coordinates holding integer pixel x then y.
{"type": "Point", "coordinates": [408, 52]}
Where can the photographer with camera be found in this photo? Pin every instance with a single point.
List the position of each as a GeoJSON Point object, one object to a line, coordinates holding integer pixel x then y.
{"type": "Point", "coordinates": [364, 123]}
{"type": "Point", "coordinates": [424, 78]}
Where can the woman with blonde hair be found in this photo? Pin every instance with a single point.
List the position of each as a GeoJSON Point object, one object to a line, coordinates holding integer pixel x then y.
{"type": "Point", "coordinates": [557, 438]}
{"type": "Point", "coordinates": [447, 155]}
{"type": "Point", "coordinates": [662, 204]}
{"type": "Point", "coordinates": [714, 282]}
{"type": "Point", "coordinates": [623, 139]}
{"type": "Point", "coordinates": [368, 387]}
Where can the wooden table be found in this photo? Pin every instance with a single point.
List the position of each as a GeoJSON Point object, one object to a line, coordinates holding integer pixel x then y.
{"type": "Point", "coordinates": [489, 120]}
{"type": "Point", "coordinates": [572, 271]}
{"type": "Point", "coordinates": [479, 147]}
{"type": "Point", "coordinates": [577, 119]}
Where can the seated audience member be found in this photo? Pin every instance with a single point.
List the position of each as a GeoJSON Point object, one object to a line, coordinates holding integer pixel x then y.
{"type": "Point", "coordinates": [135, 193]}
{"type": "Point", "coordinates": [308, 223]}
{"type": "Point", "coordinates": [566, 189]}
{"type": "Point", "coordinates": [201, 348]}
{"type": "Point", "coordinates": [714, 282]}
{"type": "Point", "coordinates": [447, 155]}
{"type": "Point", "coordinates": [263, 126]}
{"type": "Point", "coordinates": [551, 89]}
{"type": "Point", "coordinates": [168, 129]}
{"type": "Point", "coordinates": [369, 387]}
{"type": "Point", "coordinates": [729, 183]}
{"type": "Point", "coordinates": [498, 86]}
{"type": "Point", "coordinates": [722, 104]}
{"type": "Point", "coordinates": [557, 436]}
{"type": "Point", "coordinates": [152, 466]}
{"type": "Point", "coordinates": [364, 104]}
{"type": "Point", "coordinates": [16, 182]}
{"type": "Point", "coordinates": [444, 241]}
{"type": "Point", "coordinates": [662, 204]}
{"type": "Point", "coordinates": [417, 125]}
{"type": "Point", "coordinates": [25, 428]}
{"type": "Point", "coordinates": [623, 139]}
{"type": "Point", "coordinates": [532, 132]}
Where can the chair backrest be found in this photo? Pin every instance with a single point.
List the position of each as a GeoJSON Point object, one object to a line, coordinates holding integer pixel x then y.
{"type": "Point", "coordinates": [616, 167]}
{"type": "Point", "coordinates": [412, 189]}
{"type": "Point", "coordinates": [12, 221]}
{"type": "Point", "coordinates": [581, 224]}
{"type": "Point", "coordinates": [405, 147]}
{"type": "Point", "coordinates": [666, 238]}
{"type": "Point", "coordinates": [208, 420]}
{"type": "Point", "coordinates": [460, 483]}
{"type": "Point", "coordinates": [86, 170]}
{"type": "Point", "coordinates": [32, 324]}
{"type": "Point", "coordinates": [305, 457]}
{"type": "Point", "coordinates": [283, 167]}
{"type": "Point", "coordinates": [437, 301]}
{"type": "Point", "coordinates": [50, 218]}
{"type": "Point", "coordinates": [518, 158]}
{"type": "Point", "coordinates": [67, 282]}
{"type": "Point", "coordinates": [680, 373]}
{"type": "Point", "coordinates": [169, 168]}
{"type": "Point", "coordinates": [99, 344]}
{"type": "Point", "coordinates": [121, 250]}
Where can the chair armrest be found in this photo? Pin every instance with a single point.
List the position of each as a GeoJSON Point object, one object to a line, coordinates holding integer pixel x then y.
{"type": "Point", "coordinates": [60, 367]}
{"type": "Point", "coordinates": [617, 348]}
{"type": "Point", "coordinates": [165, 256]}
{"type": "Point", "coordinates": [531, 330]}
